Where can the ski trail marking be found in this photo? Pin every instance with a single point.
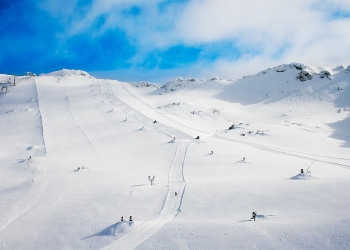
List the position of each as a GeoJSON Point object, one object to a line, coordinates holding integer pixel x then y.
{"type": "Point", "coordinates": [170, 209]}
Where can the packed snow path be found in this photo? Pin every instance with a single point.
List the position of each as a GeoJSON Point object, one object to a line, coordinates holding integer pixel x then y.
{"type": "Point", "coordinates": [170, 209]}
{"type": "Point", "coordinates": [106, 91]}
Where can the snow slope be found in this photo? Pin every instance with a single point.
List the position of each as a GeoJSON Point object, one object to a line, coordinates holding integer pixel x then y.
{"type": "Point", "coordinates": [76, 152]}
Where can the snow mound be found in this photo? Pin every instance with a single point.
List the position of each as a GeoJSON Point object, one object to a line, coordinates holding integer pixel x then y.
{"type": "Point", "coordinates": [122, 227]}
{"type": "Point", "coordinates": [303, 176]}
{"type": "Point", "coordinates": [117, 228]}
{"type": "Point", "coordinates": [68, 72]}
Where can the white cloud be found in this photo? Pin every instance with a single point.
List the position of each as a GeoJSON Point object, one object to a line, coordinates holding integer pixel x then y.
{"type": "Point", "coordinates": [313, 32]}
{"type": "Point", "coordinates": [307, 30]}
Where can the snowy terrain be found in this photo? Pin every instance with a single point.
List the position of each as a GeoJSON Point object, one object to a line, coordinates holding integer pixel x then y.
{"type": "Point", "coordinates": [76, 153]}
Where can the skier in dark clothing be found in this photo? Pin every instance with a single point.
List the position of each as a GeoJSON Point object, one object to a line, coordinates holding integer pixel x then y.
{"type": "Point", "coordinates": [130, 218]}
{"type": "Point", "coordinates": [122, 219]}
{"type": "Point", "coordinates": [254, 215]}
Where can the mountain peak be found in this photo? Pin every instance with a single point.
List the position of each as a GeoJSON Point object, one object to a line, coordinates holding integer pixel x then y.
{"type": "Point", "coordinates": [68, 72]}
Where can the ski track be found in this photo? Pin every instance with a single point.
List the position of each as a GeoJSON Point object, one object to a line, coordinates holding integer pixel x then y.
{"type": "Point", "coordinates": [172, 203]}
{"type": "Point", "coordinates": [71, 112]}
{"type": "Point", "coordinates": [32, 196]}
{"type": "Point", "coordinates": [281, 151]}
{"type": "Point", "coordinates": [170, 209]}
{"type": "Point", "coordinates": [129, 92]}
{"type": "Point", "coordinates": [106, 91]}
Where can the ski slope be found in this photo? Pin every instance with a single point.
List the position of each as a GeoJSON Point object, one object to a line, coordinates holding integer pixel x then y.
{"type": "Point", "coordinates": [76, 152]}
{"type": "Point", "coordinates": [135, 114]}
{"type": "Point", "coordinates": [170, 210]}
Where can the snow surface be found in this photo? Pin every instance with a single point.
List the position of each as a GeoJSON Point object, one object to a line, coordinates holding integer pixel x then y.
{"type": "Point", "coordinates": [76, 153]}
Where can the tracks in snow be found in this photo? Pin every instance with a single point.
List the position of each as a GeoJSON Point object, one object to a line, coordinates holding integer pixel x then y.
{"type": "Point", "coordinates": [128, 91]}
{"type": "Point", "coordinates": [170, 209]}
{"type": "Point", "coordinates": [176, 179]}
{"type": "Point", "coordinates": [71, 113]}
{"type": "Point", "coordinates": [106, 90]}
{"type": "Point", "coordinates": [282, 151]}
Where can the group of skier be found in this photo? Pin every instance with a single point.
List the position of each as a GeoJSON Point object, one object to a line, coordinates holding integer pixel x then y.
{"type": "Point", "coordinates": [122, 219]}
{"type": "Point", "coordinates": [79, 168]}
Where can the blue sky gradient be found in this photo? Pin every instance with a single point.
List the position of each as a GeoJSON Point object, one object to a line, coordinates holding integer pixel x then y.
{"type": "Point", "coordinates": [158, 40]}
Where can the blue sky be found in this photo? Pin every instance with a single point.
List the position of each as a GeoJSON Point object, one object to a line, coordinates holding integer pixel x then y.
{"type": "Point", "coordinates": [157, 40]}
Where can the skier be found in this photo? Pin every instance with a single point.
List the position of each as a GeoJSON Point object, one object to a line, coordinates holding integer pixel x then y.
{"type": "Point", "coordinates": [151, 179]}
{"type": "Point", "coordinates": [155, 121]}
{"type": "Point", "coordinates": [78, 169]}
{"type": "Point", "coordinates": [212, 152]}
{"type": "Point", "coordinates": [175, 193]}
{"type": "Point", "coordinates": [122, 219]}
{"type": "Point", "coordinates": [253, 216]}
{"type": "Point", "coordinates": [243, 158]}
{"type": "Point", "coordinates": [130, 218]}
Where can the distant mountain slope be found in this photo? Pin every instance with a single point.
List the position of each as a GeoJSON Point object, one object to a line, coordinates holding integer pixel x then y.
{"type": "Point", "coordinates": [180, 84]}
{"type": "Point", "coordinates": [289, 81]}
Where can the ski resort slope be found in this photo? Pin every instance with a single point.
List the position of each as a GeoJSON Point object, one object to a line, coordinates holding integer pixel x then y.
{"type": "Point", "coordinates": [170, 209]}
{"type": "Point", "coordinates": [76, 153]}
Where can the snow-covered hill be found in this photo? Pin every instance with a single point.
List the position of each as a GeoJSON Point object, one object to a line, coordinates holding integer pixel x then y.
{"type": "Point", "coordinates": [76, 153]}
{"type": "Point", "coordinates": [291, 80]}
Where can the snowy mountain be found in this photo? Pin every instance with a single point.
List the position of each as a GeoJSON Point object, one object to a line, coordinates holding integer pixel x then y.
{"type": "Point", "coordinates": [77, 154]}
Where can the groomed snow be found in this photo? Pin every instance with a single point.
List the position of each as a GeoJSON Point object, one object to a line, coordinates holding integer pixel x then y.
{"type": "Point", "coordinates": [76, 153]}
